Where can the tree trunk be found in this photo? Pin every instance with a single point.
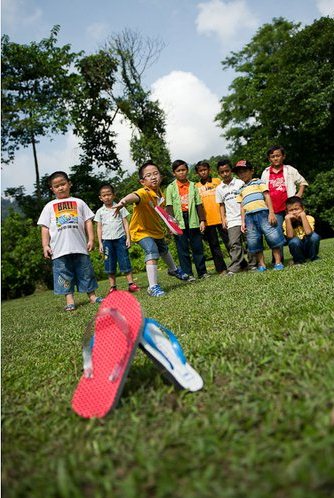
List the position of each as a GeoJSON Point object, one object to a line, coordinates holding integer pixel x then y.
{"type": "Point", "coordinates": [38, 187]}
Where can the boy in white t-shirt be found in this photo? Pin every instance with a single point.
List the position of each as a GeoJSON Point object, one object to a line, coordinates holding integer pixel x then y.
{"type": "Point", "coordinates": [231, 218]}
{"type": "Point", "coordinates": [114, 238]}
{"type": "Point", "coordinates": [67, 237]}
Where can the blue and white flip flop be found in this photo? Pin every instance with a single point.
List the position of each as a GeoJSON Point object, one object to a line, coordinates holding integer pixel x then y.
{"type": "Point", "coordinates": [162, 346]}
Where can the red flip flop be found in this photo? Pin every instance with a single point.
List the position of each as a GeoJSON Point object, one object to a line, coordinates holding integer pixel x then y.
{"type": "Point", "coordinates": [117, 329]}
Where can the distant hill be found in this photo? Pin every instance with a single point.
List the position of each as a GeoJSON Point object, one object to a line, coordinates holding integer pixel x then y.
{"type": "Point", "coordinates": [7, 206]}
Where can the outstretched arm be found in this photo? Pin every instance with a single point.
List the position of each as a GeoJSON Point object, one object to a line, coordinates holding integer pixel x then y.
{"type": "Point", "coordinates": [128, 199]}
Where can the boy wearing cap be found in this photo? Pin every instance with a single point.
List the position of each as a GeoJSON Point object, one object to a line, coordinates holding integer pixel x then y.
{"type": "Point", "coordinates": [257, 216]}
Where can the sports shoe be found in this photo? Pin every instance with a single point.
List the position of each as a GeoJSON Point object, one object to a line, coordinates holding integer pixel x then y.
{"type": "Point", "coordinates": [178, 273]}
{"type": "Point", "coordinates": [155, 291]}
{"type": "Point", "coordinates": [191, 278]}
{"type": "Point", "coordinates": [278, 266]}
{"type": "Point", "coordinates": [261, 269]}
{"type": "Point", "coordinates": [205, 275]}
{"type": "Point", "coordinates": [230, 274]}
{"type": "Point", "coordinates": [133, 287]}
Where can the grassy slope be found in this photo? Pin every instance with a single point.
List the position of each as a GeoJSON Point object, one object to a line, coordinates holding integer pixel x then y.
{"type": "Point", "coordinates": [262, 427]}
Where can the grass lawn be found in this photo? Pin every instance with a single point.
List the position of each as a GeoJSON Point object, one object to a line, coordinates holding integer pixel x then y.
{"type": "Point", "coordinates": [262, 427]}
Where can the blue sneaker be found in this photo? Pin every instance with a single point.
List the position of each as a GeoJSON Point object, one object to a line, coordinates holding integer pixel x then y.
{"type": "Point", "coordinates": [261, 268]}
{"type": "Point", "coordinates": [279, 266]}
{"type": "Point", "coordinates": [178, 273]}
{"type": "Point", "coordinates": [155, 291]}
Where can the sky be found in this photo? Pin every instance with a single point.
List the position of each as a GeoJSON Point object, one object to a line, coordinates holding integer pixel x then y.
{"type": "Point", "coordinates": [188, 79]}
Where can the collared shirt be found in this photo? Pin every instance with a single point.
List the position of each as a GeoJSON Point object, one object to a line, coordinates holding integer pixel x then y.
{"type": "Point", "coordinates": [251, 196]}
{"type": "Point", "coordinates": [292, 178]}
{"type": "Point", "coordinates": [112, 226]}
{"type": "Point", "coordinates": [207, 191]}
{"type": "Point", "coordinates": [226, 194]}
{"type": "Point", "coordinates": [173, 199]}
{"type": "Point", "coordinates": [145, 222]}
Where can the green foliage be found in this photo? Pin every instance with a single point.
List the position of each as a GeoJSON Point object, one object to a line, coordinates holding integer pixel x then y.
{"type": "Point", "coordinates": [285, 95]}
{"type": "Point", "coordinates": [319, 199]}
{"type": "Point", "coordinates": [261, 427]}
{"type": "Point", "coordinates": [23, 264]}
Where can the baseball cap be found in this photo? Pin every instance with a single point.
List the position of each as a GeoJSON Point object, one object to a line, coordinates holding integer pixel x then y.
{"type": "Point", "coordinates": [242, 164]}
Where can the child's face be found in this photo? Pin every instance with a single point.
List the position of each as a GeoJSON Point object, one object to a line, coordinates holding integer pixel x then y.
{"type": "Point", "coordinates": [203, 172]}
{"type": "Point", "coordinates": [276, 158]}
{"type": "Point", "coordinates": [107, 196]}
{"type": "Point", "coordinates": [181, 173]}
{"type": "Point", "coordinates": [245, 174]}
{"type": "Point", "coordinates": [295, 209]}
{"type": "Point", "coordinates": [61, 187]}
{"type": "Point", "coordinates": [151, 177]}
{"type": "Point", "coordinates": [225, 173]}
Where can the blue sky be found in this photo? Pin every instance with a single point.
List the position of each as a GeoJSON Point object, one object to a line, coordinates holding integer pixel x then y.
{"type": "Point", "coordinates": [187, 79]}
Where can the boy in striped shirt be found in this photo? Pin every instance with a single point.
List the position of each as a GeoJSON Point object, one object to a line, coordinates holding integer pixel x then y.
{"type": "Point", "coordinates": [257, 216]}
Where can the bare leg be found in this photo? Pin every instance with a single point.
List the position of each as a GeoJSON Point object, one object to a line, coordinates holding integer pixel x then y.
{"type": "Point", "coordinates": [277, 255]}
{"type": "Point", "coordinates": [260, 259]}
{"type": "Point", "coordinates": [112, 279]}
{"type": "Point", "coordinates": [69, 299]}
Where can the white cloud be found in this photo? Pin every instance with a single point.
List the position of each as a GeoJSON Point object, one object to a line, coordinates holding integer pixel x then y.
{"type": "Point", "coordinates": [191, 108]}
{"type": "Point", "coordinates": [18, 15]}
{"type": "Point", "coordinates": [227, 20]}
{"type": "Point", "coordinates": [325, 7]}
{"type": "Point", "coordinates": [98, 31]}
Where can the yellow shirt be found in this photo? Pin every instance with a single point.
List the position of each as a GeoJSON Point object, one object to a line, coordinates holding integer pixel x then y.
{"type": "Point", "coordinates": [298, 230]}
{"type": "Point", "coordinates": [208, 197]}
{"type": "Point", "coordinates": [145, 222]}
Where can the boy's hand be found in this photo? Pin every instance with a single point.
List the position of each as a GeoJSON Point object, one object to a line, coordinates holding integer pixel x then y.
{"type": "Point", "coordinates": [47, 252]}
{"type": "Point", "coordinates": [272, 219]}
{"type": "Point", "coordinates": [224, 223]}
{"type": "Point", "coordinates": [202, 226]}
{"type": "Point", "coordinates": [90, 245]}
{"type": "Point", "coordinates": [101, 248]}
{"type": "Point", "coordinates": [128, 242]}
{"type": "Point", "coordinates": [117, 207]}
{"type": "Point", "coordinates": [290, 217]}
{"type": "Point", "coordinates": [243, 228]}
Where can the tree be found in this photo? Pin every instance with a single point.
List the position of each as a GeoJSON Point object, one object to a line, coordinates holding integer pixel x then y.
{"type": "Point", "coordinates": [285, 95]}
{"type": "Point", "coordinates": [36, 86]}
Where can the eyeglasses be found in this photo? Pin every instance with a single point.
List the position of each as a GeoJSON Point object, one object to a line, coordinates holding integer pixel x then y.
{"type": "Point", "coordinates": [151, 175]}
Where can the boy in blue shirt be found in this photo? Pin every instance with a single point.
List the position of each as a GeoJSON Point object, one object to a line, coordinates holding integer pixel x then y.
{"type": "Point", "coordinates": [257, 216]}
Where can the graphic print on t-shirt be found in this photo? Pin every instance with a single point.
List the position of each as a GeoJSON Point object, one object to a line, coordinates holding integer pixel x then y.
{"type": "Point", "coordinates": [66, 214]}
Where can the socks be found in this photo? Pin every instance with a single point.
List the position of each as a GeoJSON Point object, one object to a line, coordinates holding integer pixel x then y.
{"type": "Point", "coordinates": [152, 274]}
{"type": "Point", "coordinates": [168, 259]}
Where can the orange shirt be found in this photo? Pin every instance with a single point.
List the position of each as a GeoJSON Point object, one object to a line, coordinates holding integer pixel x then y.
{"type": "Point", "coordinates": [208, 196]}
{"type": "Point", "coordinates": [184, 194]}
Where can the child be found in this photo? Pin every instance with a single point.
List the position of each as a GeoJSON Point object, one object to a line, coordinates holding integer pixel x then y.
{"type": "Point", "coordinates": [66, 222]}
{"type": "Point", "coordinates": [184, 203]}
{"type": "Point", "coordinates": [298, 227]}
{"type": "Point", "coordinates": [207, 190]}
{"type": "Point", "coordinates": [282, 181]}
{"type": "Point", "coordinates": [146, 228]}
{"type": "Point", "coordinates": [231, 218]}
{"type": "Point", "coordinates": [257, 216]}
{"type": "Point", "coordinates": [114, 238]}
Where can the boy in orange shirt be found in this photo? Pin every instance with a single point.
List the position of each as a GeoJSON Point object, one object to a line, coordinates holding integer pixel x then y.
{"type": "Point", "coordinates": [207, 190]}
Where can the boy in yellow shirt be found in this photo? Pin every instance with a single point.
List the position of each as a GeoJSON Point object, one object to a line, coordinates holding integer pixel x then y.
{"type": "Point", "coordinates": [146, 228]}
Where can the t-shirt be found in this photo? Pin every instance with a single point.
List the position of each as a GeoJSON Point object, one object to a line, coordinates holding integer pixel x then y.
{"type": "Point", "coordinates": [298, 230]}
{"type": "Point", "coordinates": [112, 226]}
{"type": "Point", "coordinates": [277, 189]}
{"type": "Point", "coordinates": [207, 191]}
{"type": "Point", "coordinates": [226, 194]}
{"type": "Point", "coordinates": [184, 194]}
{"type": "Point", "coordinates": [251, 196]}
{"type": "Point", "coordinates": [145, 222]}
{"type": "Point", "coordinates": [65, 219]}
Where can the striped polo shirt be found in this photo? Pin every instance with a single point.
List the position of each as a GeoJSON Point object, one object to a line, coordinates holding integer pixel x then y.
{"type": "Point", "coordinates": [251, 196]}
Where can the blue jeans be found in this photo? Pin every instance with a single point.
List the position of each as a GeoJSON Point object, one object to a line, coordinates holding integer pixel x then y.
{"type": "Point", "coordinates": [153, 248]}
{"type": "Point", "coordinates": [73, 270]}
{"type": "Point", "coordinates": [258, 225]}
{"type": "Point", "coordinates": [191, 237]}
{"type": "Point", "coordinates": [115, 250]}
{"type": "Point", "coordinates": [306, 248]}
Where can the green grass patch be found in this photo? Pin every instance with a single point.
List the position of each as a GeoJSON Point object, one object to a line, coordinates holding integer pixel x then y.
{"type": "Point", "coordinates": [263, 426]}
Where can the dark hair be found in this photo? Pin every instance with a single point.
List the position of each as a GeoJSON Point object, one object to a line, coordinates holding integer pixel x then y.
{"type": "Point", "coordinates": [106, 185]}
{"type": "Point", "coordinates": [224, 162]}
{"type": "Point", "coordinates": [177, 163]}
{"type": "Point", "coordinates": [275, 147]}
{"type": "Point", "coordinates": [202, 163]}
{"type": "Point", "coordinates": [294, 200]}
{"type": "Point", "coordinates": [143, 166]}
{"type": "Point", "coordinates": [55, 175]}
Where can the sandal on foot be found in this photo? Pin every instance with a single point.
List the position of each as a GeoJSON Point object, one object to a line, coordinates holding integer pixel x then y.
{"type": "Point", "coordinates": [161, 345]}
{"type": "Point", "coordinates": [69, 307]}
{"type": "Point", "coordinates": [108, 355]}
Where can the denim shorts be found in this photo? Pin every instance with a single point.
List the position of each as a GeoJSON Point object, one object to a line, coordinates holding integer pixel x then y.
{"type": "Point", "coordinates": [257, 225]}
{"type": "Point", "coordinates": [115, 250]}
{"type": "Point", "coordinates": [153, 248]}
{"type": "Point", "coordinates": [73, 270]}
